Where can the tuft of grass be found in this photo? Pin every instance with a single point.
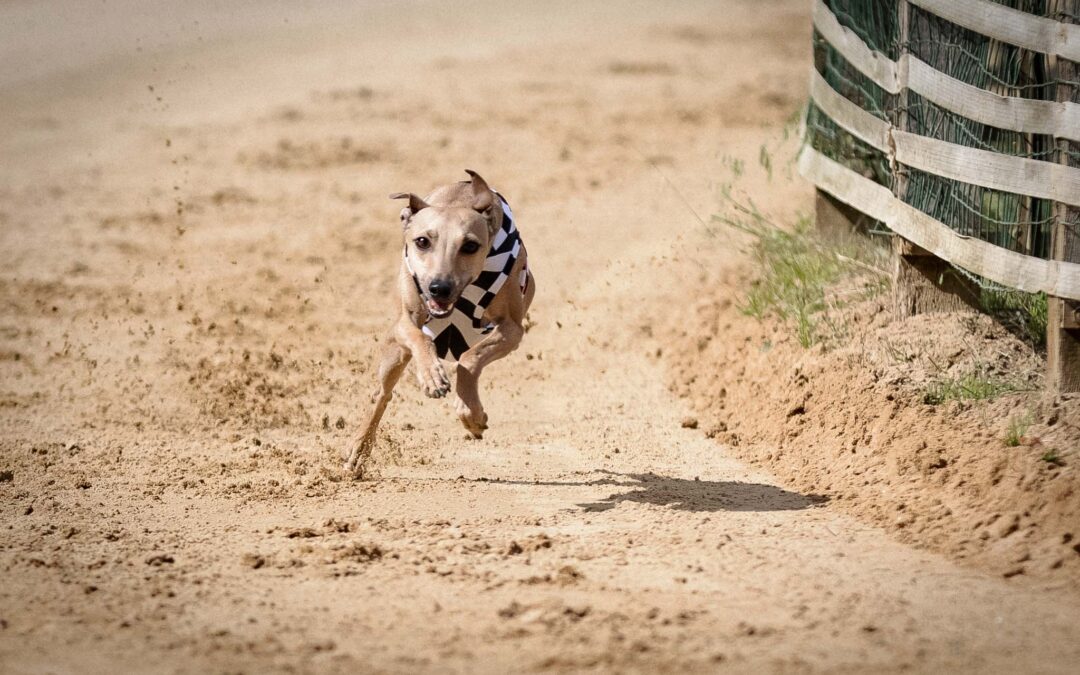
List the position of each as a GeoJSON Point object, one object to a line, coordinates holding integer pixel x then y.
{"type": "Point", "coordinates": [1018, 427]}
{"type": "Point", "coordinates": [876, 286]}
{"type": "Point", "coordinates": [1051, 456]}
{"type": "Point", "coordinates": [973, 386]}
{"type": "Point", "coordinates": [1024, 313]}
{"type": "Point", "coordinates": [797, 269]}
{"type": "Point", "coordinates": [796, 273]}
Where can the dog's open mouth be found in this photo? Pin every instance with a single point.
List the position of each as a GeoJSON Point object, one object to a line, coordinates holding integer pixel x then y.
{"type": "Point", "coordinates": [439, 308]}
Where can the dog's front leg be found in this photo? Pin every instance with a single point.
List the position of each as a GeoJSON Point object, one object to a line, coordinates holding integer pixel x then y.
{"type": "Point", "coordinates": [503, 339]}
{"type": "Point", "coordinates": [394, 359]}
{"type": "Point", "coordinates": [406, 342]}
{"type": "Point", "coordinates": [430, 374]}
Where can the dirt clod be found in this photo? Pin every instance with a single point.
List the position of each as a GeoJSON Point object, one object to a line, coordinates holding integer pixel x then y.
{"type": "Point", "coordinates": [253, 560]}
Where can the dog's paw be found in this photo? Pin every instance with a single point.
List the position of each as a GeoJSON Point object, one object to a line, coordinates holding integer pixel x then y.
{"type": "Point", "coordinates": [356, 463]}
{"type": "Point", "coordinates": [475, 422]}
{"type": "Point", "coordinates": [433, 380]}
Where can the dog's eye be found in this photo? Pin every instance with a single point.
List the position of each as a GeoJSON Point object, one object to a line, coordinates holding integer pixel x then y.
{"type": "Point", "coordinates": [470, 247]}
{"type": "Point", "coordinates": [422, 243]}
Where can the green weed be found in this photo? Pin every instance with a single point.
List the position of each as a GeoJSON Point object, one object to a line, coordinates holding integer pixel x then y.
{"type": "Point", "coordinates": [1025, 313]}
{"type": "Point", "coordinates": [1018, 427]}
{"type": "Point", "coordinates": [1051, 456]}
{"type": "Point", "coordinates": [795, 276]}
{"type": "Point", "coordinates": [797, 270]}
{"type": "Point", "coordinates": [973, 386]}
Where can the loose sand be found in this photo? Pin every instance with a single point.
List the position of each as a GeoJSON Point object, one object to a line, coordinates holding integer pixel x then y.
{"type": "Point", "coordinates": [197, 255]}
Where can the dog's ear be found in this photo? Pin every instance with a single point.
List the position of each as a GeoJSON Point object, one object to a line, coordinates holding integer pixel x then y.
{"type": "Point", "coordinates": [416, 204]}
{"type": "Point", "coordinates": [483, 198]}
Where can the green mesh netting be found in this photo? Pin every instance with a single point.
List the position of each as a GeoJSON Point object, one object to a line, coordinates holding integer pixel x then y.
{"type": "Point", "coordinates": [1012, 221]}
{"type": "Point", "coordinates": [835, 143]}
{"type": "Point", "coordinates": [827, 137]}
{"type": "Point", "coordinates": [1008, 220]}
{"type": "Point", "coordinates": [1068, 89]}
{"type": "Point", "coordinates": [876, 23]}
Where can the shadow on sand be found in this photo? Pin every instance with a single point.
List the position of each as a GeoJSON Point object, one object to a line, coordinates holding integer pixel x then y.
{"type": "Point", "coordinates": [691, 495]}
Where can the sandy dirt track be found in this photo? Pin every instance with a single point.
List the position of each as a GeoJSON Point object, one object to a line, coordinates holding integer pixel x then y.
{"type": "Point", "coordinates": [197, 258]}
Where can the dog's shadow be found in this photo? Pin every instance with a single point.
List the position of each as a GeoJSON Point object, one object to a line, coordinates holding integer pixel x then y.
{"type": "Point", "coordinates": [694, 495]}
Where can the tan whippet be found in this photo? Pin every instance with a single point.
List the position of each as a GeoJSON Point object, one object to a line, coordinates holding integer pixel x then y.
{"type": "Point", "coordinates": [463, 289]}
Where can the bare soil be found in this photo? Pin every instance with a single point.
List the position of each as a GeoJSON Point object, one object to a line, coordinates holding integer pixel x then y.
{"type": "Point", "coordinates": [197, 255]}
{"type": "Point", "coordinates": [858, 417]}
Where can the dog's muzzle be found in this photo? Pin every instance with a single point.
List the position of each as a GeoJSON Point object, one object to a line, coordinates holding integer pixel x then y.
{"type": "Point", "coordinates": [438, 308]}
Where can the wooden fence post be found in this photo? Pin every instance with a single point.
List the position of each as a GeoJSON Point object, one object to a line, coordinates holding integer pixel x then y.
{"type": "Point", "coordinates": [834, 219]}
{"type": "Point", "coordinates": [1063, 316]}
{"type": "Point", "coordinates": [921, 283]}
{"type": "Point", "coordinates": [1063, 345]}
{"type": "Point", "coordinates": [924, 283]}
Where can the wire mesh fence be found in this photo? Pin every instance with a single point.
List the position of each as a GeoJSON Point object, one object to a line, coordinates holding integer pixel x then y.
{"type": "Point", "coordinates": [1001, 218]}
{"type": "Point", "coordinates": [1068, 89]}
{"type": "Point", "coordinates": [1013, 221]}
{"type": "Point", "coordinates": [876, 23]}
{"type": "Point", "coordinates": [834, 142]}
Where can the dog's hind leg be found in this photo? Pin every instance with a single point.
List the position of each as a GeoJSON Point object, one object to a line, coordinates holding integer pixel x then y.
{"type": "Point", "coordinates": [502, 340]}
{"type": "Point", "coordinates": [394, 359]}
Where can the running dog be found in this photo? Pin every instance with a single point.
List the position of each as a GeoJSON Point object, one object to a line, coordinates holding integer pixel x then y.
{"type": "Point", "coordinates": [463, 289]}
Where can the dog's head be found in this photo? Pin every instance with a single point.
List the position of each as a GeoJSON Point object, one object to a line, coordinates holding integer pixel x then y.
{"type": "Point", "coordinates": [447, 245]}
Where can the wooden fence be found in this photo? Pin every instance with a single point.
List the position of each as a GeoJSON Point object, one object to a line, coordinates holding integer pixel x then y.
{"type": "Point", "coordinates": [1046, 49]}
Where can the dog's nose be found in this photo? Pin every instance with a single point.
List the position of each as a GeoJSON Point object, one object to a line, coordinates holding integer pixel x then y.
{"type": "Point", "coordinates": [440, 289]}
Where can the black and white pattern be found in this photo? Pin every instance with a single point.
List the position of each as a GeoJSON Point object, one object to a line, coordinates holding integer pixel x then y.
{"type": "Point", "coordinates": [454, 334]}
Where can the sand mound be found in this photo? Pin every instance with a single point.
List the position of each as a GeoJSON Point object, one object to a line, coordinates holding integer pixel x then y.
{"type": "Point", "coordinates": [860, 418]}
